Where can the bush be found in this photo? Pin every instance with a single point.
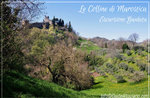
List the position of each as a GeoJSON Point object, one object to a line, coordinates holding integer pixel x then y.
{"type": "Point", "coordinates": [102, 73]}
{"type": "Point", "coordinates": [111, 67]}
{"type": "Point", "coordinates": [130, 69]}
{"type": "Point", "coordinates": [120, 79]}
{"type": "Point", "coordinates": [125, 47]}
{"type": "Point", "coordinates": [119, 56]}
{"type": "Point", "coordinates": [115, 69]}
{"type": "Point", "coordinates": [108, 65]}
{"type": "Point", "coordinates": [130, 60]}
{"type": "Point", "coordinates": [141, 53]}
{"type": "Point", "coordinates": [101, 52]}
{"type": "Point", "coordinates": [123, 66]}
{"type": "Point", "coordinates": [94, 60]}
{"type": "Point", "coordinates": [110, 71]}
{"type": "Point", "coordinates": [128, 52]}
{"type": "Point", "coordinates": [138, 48]}
{"type": "Point", "coordinates": [142, 66]}
{"type": "Point", "coordinates": [137, 76]}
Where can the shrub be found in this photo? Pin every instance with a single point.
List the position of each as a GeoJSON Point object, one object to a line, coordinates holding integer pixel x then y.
{"type": "Point", "coordinates": [123, 66]}
{"type": "Point", "coordinates": [110, 71]}
{"type": "Point", "coordinates": [115, 69]}
{"type": "Point", "coordinates": [119, 56]}
{"type": "Point", "coordinates": [138, 48]}
{"type": "Point", "coordinates": [130, 69]}
{"type": "Point", "coordinates": [142, 66]}
{"type": "Point", "coordinates": [94, 60]}
{"type": "Point", "coordinates": [125, 47]}
{"type": "Point", "coordinates": [120, 79]}
{"type": "Point", "coordinates": [102, 73]}
{"type": "Point", "coordinates": [137, 76]}
{"type": "Point", "coordinates": [130, 60]}
{"type": "Point", "coordinates": [128, 52]}
{"type": "Point", "coordinates": [80, 38]}
{"type": "Point", "coordinates": [101, 52]}
{"type": "Point", "coordinates": [140, 52]}
{"type": "Point", "coordinates": [111, 67]}
{"type": "Point", "coordinates": [108, 65]}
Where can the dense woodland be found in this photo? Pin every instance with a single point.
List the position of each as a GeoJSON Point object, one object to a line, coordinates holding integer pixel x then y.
{"type": "Point", "coordinates": [57, 62]}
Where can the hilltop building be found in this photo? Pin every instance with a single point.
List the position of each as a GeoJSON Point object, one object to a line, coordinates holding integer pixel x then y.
{"type": "Point", "coordinates": [45, 24]}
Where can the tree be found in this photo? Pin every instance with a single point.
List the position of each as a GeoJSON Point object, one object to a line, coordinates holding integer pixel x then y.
{"type": "Point", "coordinates": [66, 66]}
{"type": "Point", "coordinates": [121, 41]}
{"type": "Point", "coordinates": [133, 38]}
{"type": "Point", "coordinates": [70, 27]}
{"type": "Point", "coordinates": [62, 22]}
{"type": "Point", "coordinates": [53, 22]}
{"type": "Point", "coordinates": [11, 17]}
{"type": "Point", "coordinates": [106, 45]}
{"type": "Point", "coordinates": [125, 47]}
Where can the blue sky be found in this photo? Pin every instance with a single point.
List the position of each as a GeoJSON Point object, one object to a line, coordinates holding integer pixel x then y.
{"type": "Point", "coordinates": [88, 24]}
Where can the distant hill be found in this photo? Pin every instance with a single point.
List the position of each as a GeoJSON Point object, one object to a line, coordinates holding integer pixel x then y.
{"type": "Point", "coordinates": [113, 44]}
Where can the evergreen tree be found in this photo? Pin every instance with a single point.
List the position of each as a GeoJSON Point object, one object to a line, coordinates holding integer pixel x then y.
{"type": "Point", "coordinates": [106, 45]}
{"type": "Point", "coordinates": [53, 22]}
{"type": "Point", "coordinates": [70, 27]}
{"type": "Point", "coordinates": [125, 47]}
{"type": "Point", "coordinates": [62, 22]}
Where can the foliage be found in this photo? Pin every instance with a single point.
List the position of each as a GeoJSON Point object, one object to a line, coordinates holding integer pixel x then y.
{"type": "Point", "coordinates": [130, 60]}
{"type": "Point", "coordinates": [125, 47]}
{"type": "Point", "coordinates": [109, 71]}
{"type": "Point", "coordinates": [70, 27]}
{"type": "Point", "coordinates": [119, 56]}
{"type": "Point", "coordinates": [123, 66]}
{"type": "Point", "coordinates": [108, 65]}
{"type": "Point", "coordinates": [94, 60]}
{"type": "Point", "coordinates": [128, 52]}
{"type": "Point", "coordinates": [64, 64]}
{"type": "Point", "coordinates": [130, 69]}
{"type": "Point", "coordinates": [120, 79]}
{"type": "Point", "coordinates": [138, 48]}
{"type": "Point", "coordinates": [137, 76]}
{"type": "Point", "coordinates": [142, 66]}
{"type": "Point", "coordinates": [13, 57]}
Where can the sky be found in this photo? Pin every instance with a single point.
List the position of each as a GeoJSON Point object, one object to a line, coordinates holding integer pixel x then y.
{"type": "Point", "coordinates": [91, 23]}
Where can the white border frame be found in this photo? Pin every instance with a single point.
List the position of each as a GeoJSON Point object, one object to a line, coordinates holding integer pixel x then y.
{"type": "Point", "coordinates": [75, 2]}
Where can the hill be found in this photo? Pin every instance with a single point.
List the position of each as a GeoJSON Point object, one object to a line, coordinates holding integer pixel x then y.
{"type": "Point", "coordinates": [19, 85]}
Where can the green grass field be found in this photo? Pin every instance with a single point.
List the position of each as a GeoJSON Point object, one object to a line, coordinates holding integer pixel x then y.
{"type": "Point", "coordinates": [104, 86]}
{"type": "Point", "coordinates": [87, 46]}
{"type": "Point", "coordinates": [17, 85]}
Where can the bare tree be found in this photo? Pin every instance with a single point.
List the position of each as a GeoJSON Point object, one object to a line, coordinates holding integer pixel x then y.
{"type": "Point", "coordinates": [28, 9]}
{"type": "Point", "coordinates": [133, 38]}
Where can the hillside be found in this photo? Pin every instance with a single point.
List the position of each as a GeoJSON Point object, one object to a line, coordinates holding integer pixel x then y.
{"type": "Point", "coordinates": [115, 69]}
{"type": "Point", "coordinates": [22, 86]}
